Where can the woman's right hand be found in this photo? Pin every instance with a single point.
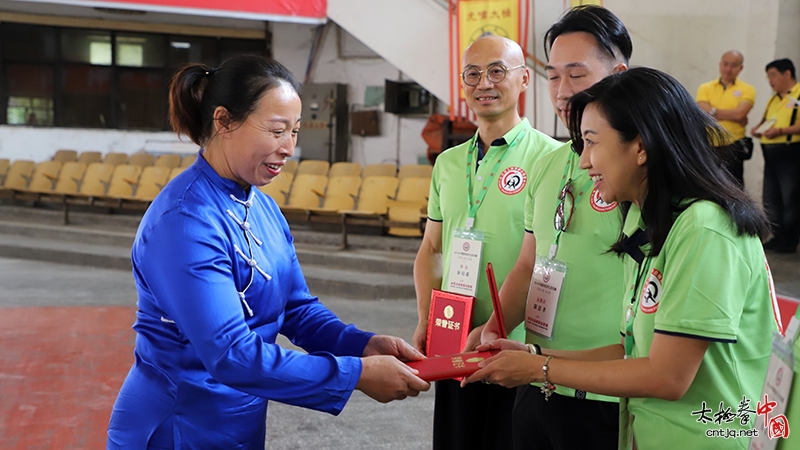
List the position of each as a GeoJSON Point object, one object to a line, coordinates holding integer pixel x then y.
{"type": "Point", "coordinates": [420, 337]}
{"type": "Point", "coordinates": [385, 378]}
{"type": "Point", "coordinates": [490, 331]}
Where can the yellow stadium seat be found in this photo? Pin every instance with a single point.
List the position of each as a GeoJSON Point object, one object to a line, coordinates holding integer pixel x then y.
{"type": "Point", "coordinates": [415, 189]}
{"type": "Point", "coordinates": [4, 165]}
{"type": "Point", "coordinates": [45, 177]}
{"type": "Point", "coordinates": [382, 169]}
{"type": "Point", "coordinates": [313, 167]}
{"type": "Point", "coordinates": [307, 190]}
{"type": "Point", "coordinates": [279, 188]}
{"type": "Point", "coordinates": [169, 160]}
{"type": "Point", "coordinates": [124, 181]}
{"type": "Point", "coordinates": [96, 180]}
{"type": "Point", "coordinates": [341, 169]}
{"type": "Point", "coordinates": [19, 174]}
{"type": "Point", "coordinates": [141, 159]}
{"type": "Point", "coordinates": [415, 170]}
{"type": "Point", "coordinates": [90, 157]}
{"type": "Point", "coordinates": [174, 172]}
{"type": "Point", "coordinates": [69, 181]}
{"type": "Point", "coordinates": [70, 178]}
{"type": "Point", "coordinates": [65, 156]}
{"type": "Point", "coordinates": [152, 180]}
{"type": "Point", "coordinates": [405, 218]}
{"type": "Point", "coordinates": [340, 194]}
{"type": "Point", "coordinates": [290, 166]}
{"type": "Point", "coordinates": [188, 160]}
{"type": "Point", "coordinates": [115, 159]}
{"type": "Point", "coordinates": [376, 191]}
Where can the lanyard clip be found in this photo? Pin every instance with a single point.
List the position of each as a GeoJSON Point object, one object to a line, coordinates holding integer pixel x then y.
{"type": "Point", "coordinates": [470, 223]}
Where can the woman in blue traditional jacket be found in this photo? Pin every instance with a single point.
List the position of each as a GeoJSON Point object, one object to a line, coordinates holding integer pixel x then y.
{"type": "Point", "coordinates": [218, 279]}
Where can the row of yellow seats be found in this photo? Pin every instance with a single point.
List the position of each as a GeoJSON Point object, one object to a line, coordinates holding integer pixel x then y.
{"type": "Point", "coordinates": [143, 159]}
{"type": "Point", "coordinates": [345, 193]}
{"type": "Point", "coordinates": [73, 178]}
{"type": "Point", "coordinates": [337, 169]}
{"type": "Point", "coordinates": [369, 200]}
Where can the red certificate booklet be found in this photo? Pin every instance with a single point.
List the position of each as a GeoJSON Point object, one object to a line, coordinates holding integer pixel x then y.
{"type": "Point", "coordinates": [449, 322]}
{"type": "Point", "coordinates": [450, 366]}
{"type": "Point", "coordinates": [443, 366]}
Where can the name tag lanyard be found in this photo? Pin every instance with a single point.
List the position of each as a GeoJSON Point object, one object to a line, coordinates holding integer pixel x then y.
{"type": "Point", "coordinates": [566, 183]}
{"type": "Point", "coordinates": [548, 272]}
{"type": "Point", "coordinates": [472, 156]}
{"type": "Point", "coordinates": [467, 243]}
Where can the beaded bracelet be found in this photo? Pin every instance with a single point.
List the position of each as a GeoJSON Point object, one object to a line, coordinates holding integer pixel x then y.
{"type": "Point", "coordinates": [547, 387]}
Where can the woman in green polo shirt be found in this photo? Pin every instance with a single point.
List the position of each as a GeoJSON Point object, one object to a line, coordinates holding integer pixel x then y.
{"type": "Point", "coordinates": [697, 317]}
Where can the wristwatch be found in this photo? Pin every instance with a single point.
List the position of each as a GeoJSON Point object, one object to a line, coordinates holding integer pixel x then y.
{"type": "Point", "coordinates": [713, 112]}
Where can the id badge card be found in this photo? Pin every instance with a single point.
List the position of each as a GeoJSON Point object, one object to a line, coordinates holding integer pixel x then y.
{"type": "Point", "coordinates": [465, 262]}
{"type": "Point", "coordinates": [777, 387]}
{"type": "Point", "coordinates": [543, 295]}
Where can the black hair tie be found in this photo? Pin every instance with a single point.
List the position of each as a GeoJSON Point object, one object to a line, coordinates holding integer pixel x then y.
{"type": "Point", "coordinates": [211, 71]}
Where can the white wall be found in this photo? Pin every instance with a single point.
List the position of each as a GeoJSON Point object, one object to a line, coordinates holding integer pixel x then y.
{"type": "Point", "coordinates": [687, 37]}
{"type": "Point", "coordinates": [292, 45]}
{"type": "Point", "coordinates": [39, 144]}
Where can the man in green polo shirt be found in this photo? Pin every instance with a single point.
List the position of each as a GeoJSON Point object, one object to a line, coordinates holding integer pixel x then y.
{"type": "Point", "coordinates": [569, 229]}
{"type": "Point", "coordinates": [478, 190]}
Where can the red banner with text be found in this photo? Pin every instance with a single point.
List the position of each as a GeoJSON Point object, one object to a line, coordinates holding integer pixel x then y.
{"type": "Point", "coordinates": [306, 11]}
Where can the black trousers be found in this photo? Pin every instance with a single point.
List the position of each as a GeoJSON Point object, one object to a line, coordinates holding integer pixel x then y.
{"type": "Point", "coordinates": [476, 417]}
{"type": "Point", "coordinates": [563, 423]}
{"type": "Point", "coordinates": [782, 192]}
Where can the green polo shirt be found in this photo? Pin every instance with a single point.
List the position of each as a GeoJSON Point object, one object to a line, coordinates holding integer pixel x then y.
{"type": "Point", "coordinates": [587, 315]}
{"type": "Point", "coordinates": [500, 215]}
{"type": "Point", "coordinates": [707, 283]}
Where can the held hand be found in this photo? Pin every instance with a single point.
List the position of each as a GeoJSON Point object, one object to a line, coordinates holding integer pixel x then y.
{"type": "Point", "coordinates": [420, 338]}
{"type": "Point", "coordinates": [754, 133]}
{"type": "Point", "coordinates": [490, 332]}
{"type": "Point", "coordinates": [508, 369]}
{"type": "Point", "coordinates": [771, 133]}
{"type": "Point", "coordinates": [743, 122]}
{"type": "Point", "coordinates": [502, 344]}
{"type": "Point", "coordinates": [381, 344]}
{"type": "Point", "coordinates": [385, 378]}
{"type": "Point", "coordinates": [474, 339]}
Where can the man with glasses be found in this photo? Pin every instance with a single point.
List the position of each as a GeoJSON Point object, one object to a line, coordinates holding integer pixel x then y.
{"type": "Point", "coordinates": [573, 302]}
{"type": "Point", "coordinates": [477, 197]}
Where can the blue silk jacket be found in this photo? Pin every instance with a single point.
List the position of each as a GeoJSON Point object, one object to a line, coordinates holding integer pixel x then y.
{"type": "Point", "coordinates": [218, 278]}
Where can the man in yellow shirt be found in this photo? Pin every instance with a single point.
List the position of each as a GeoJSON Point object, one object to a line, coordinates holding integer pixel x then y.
{"type": "Point", "coordinates": [728, 99]}
{"type": "Point", "coordinates": [780, 139]}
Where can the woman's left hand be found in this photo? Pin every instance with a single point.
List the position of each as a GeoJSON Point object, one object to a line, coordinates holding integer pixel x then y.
{"type": "Point", "coordinates": [509, 368]}
{"type": "Point", "coordinates": [381, 344]}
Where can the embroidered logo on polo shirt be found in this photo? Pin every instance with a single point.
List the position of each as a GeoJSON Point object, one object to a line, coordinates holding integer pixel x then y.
{"type": "Point", "coordinates": [512, 180]}
{"type": "Point", "coordinates": [737, 93]}
{"type": "Point", "coordinates": [651, 294]}
{"type": "Point", "coordinates": [599, 205]}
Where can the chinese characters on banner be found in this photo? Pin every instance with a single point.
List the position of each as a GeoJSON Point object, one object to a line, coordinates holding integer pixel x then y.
{"type": "Point", "coordinates": [308, 11]}
{"type": "Point", "coordinates": [574, 3]}
{"type": "Point", "coordinates": [481, 17]}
